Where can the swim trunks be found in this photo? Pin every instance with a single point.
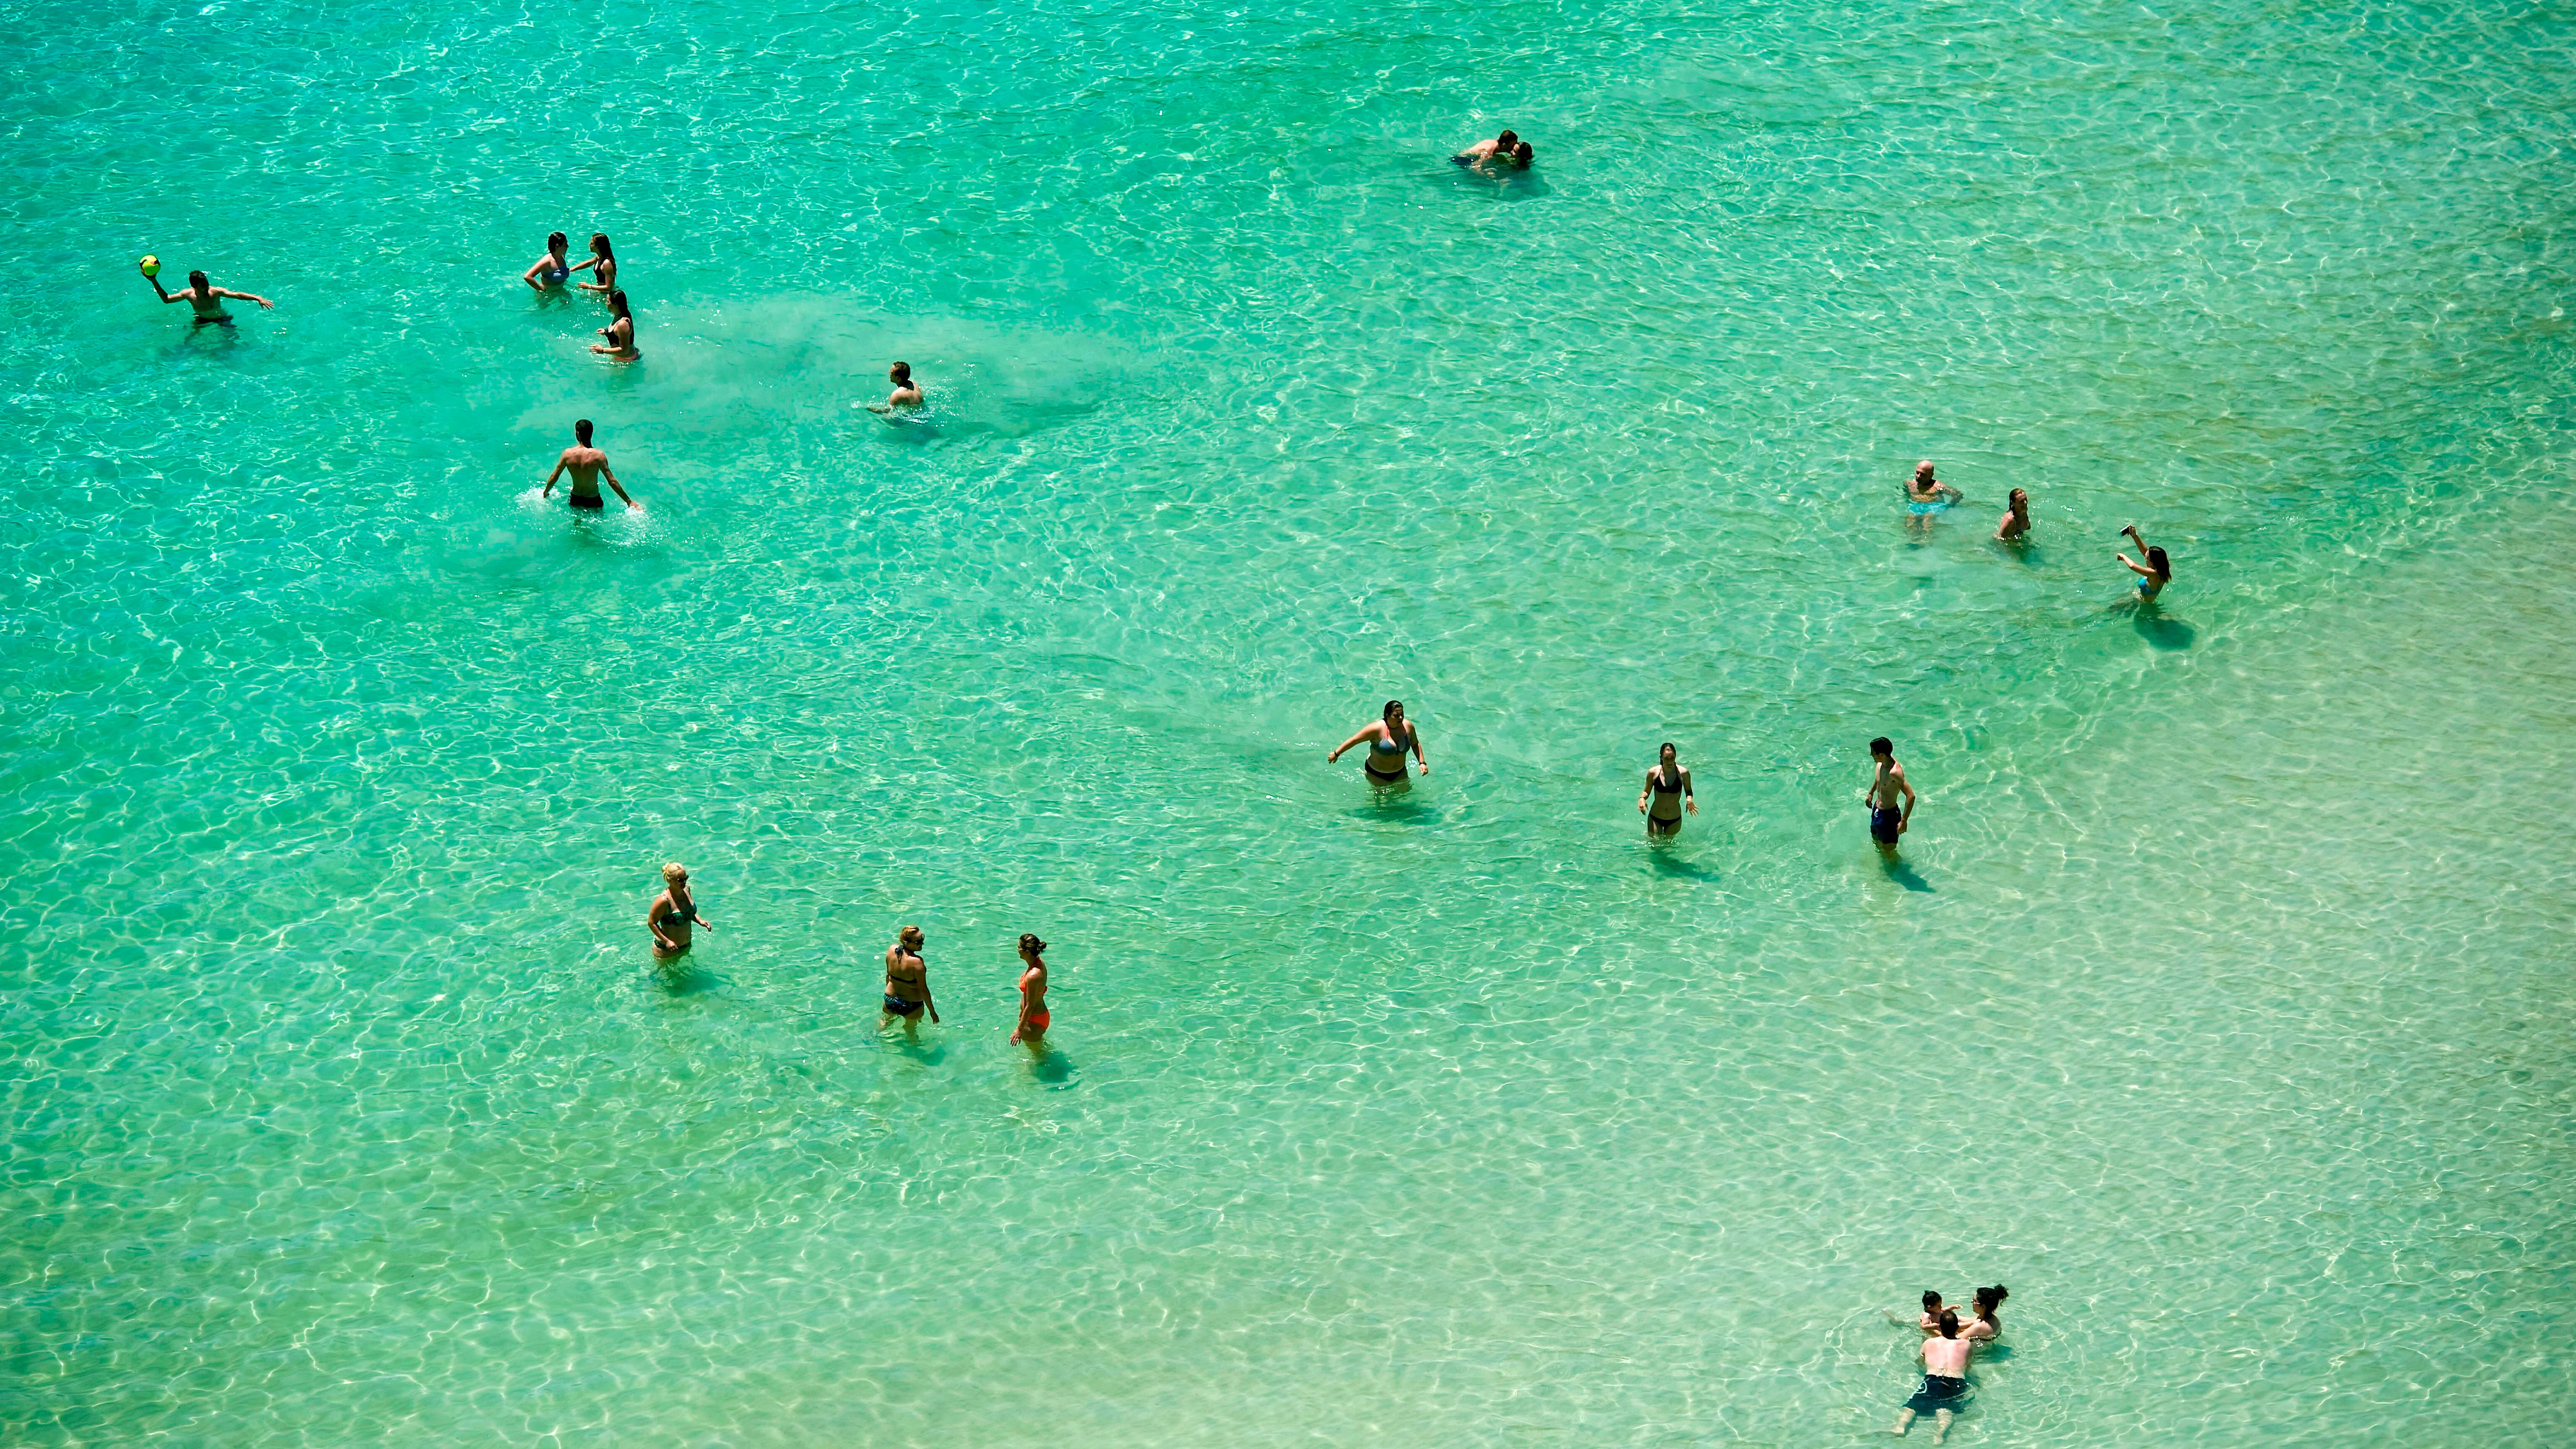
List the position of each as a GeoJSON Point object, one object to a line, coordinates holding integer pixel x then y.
{"type": "Point", "coordinates": [1938, 1392]}
{"type": "Point", "coordinates": [593, 501]}
{"type": "Point", "coordinates": [902, 1008]}
{"type": "Point", "coordinates": [1883, 823]}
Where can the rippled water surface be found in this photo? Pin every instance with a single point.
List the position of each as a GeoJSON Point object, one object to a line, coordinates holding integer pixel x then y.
{"type": "Point", "coordinates": [2218, 1004]}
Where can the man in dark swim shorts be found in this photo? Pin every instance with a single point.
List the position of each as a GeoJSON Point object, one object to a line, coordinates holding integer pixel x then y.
{"type": "Point", "coordinates": [1887, 785]}
{"type": "Point", "coordinates": [586, 464]}
{"type": "Point", "coordinates": [1945, 1379]}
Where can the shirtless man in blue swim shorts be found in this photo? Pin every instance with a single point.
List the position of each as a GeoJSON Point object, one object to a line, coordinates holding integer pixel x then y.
{"type": "Point", "coordinates": [1945, 1379]}
{"type": "Point", "coordinates": [1886, 785]}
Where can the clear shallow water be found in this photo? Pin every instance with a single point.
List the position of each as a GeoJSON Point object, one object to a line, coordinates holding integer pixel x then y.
{"type": "Point", "coordinates": [2219, 1009]}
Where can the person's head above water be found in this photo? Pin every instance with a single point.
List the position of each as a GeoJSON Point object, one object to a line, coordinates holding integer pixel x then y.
{"type": "Point", "coordinates": [1521, 155]}
{"type": "Point", "coordinates": [599, 245]}
{"type": "Point", "coordinates": [617, 303]}
{"type": "Point", "coordinates": [2157, 560]}
{"type": "Point", "coordinates": [581, 430]}
{"type": "Point", "coordinates": [1883, 748]}
{"type": "Point", "coordinates": [1506, 141]}
{"type": "Point", "coordinates": [1394, 711]}
{"type": "Point", "coordinates": [1990, 1299]}
{"type": "Point", "coordinates": [1030, 945]}
{"type": "Point", "coordinates": [1949, 1323]}
{"type": "Point", "coordinates": [1923, 471]}
{"type": "Point", "coordinates": [911, 938]}
{"type": "Point", "coordinates": [1667, 754]}
{"type": "Point", "coordinates": [2017, 500]}
{"type": "Point", "coordinates": [196, 279]}
{"type": "Point", "coordinates": [900, 374]}
{"type": "Point", "coordinates": [673, 873]}
{"type": "Point", "coordinates": [556, 242]}
{"type": "Point", "coordinates": [1931, 1301]}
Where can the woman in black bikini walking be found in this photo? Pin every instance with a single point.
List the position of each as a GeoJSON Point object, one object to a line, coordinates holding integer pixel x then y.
{"type": "Point", "coordinates": [1388, 739]}
{"type": "Point", "coordinates": [1668, 787]}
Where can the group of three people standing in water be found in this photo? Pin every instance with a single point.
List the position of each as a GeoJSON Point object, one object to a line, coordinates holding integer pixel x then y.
{"type": "Point", "coordinates": [555, 269]}
{"type": "Point", "coordinates": [673, 919]}
{"type": "Point", "coordinates": [1926, 495]}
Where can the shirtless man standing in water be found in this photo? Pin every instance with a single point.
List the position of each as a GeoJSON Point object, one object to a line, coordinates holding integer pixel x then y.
{"type": "Point", "coordinates": [906, 394]}
{"type": "Point", "coordinates": [1886, 784]}
{"type": "Point", "coordinates": [1945, 1379]}
{"type": "Point", "coordinates": [586, 464]}
{"type": "Point", "coordinates": [907, 986]}
{"type": "Point", "coordinates": [206, 297]}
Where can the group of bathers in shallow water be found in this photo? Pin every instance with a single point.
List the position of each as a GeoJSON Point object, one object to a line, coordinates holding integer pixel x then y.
{"type": "Point", "coordinates": [1948, 1342]}
{"type": "Point", "coordinates": [674, 921]}
{"type": "Point", "coordinates": [1927, 496]}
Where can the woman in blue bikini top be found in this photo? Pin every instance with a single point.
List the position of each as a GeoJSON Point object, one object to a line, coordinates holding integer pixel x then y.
{"type": "Point", "coordinates": [552, 270]}
{"type": "Point", "coordinates": [2155, 573]}
{"type": "Point", "coordinates": [1388, 739]}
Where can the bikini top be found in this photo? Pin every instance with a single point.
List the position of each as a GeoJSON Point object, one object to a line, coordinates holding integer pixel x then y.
{"type": "Point", "coordinates": [1388, 744]}
{"type": "Point", "coordinates": [1675, 787]}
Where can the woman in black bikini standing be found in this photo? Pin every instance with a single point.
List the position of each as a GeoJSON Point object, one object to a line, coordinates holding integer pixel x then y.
{"type": "Point", "coordinates": [1668, 786]}
{"type": "Point", "coordinates": [673, 912]}
{"type": "Point", "coordinates": [907, 984]}
{"type": "Point", "coordinates": [620, 333]}
{"type": "Point", "coordinates": [602, 265]}
{"type": "Point", "coordinates": [1388, 739]}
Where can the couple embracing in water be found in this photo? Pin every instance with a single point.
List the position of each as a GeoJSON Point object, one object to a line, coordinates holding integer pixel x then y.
{"type": "Point", "coordinates": [1506, 150]}
{"type": "Point", "coordinates": [1946, 1346]}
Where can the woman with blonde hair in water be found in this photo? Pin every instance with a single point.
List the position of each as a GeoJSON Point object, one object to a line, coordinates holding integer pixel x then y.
{"type": "Point", "coordinates": [673, 912]}
{"type": "Point", "coordinates": [1388, 739]}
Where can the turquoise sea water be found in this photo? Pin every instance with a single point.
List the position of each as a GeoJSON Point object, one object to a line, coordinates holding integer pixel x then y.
{"type": "Point", "coordinates": [2219, 1006]}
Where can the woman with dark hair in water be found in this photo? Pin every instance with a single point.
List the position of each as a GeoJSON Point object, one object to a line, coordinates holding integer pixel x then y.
{"type": "Point", "coordinates": [1388, 739]}
{"type": "Point", "coordinates": [1667, 794]}
{"type": "Point", "coordinates": [551, 270]}
{"type": "Point", "coordinates": [1033, 984]}
{"type": "Point", "coordinates": [2155, 573]}
{"type": "Point", "coordinates": [1986, 1325]}
{"type": "Point", "coordinates": [2016, 525]}
{"type": "Point", "coordinates": [620, 333]}
{"type": "Point", "coordinates": [602, 265]}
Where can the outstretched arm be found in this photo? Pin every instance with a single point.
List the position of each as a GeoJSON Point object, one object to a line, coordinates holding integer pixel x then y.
{"type": "Point", "coordinates": [2135, 567]}
{"type": "Point", "coordinates": [1366, 731]}
{"type": "Point", "coordinates": [242, 296]}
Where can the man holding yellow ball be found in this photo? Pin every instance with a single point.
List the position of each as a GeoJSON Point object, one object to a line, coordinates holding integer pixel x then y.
{"type": "Point", "coordinates": [203, 295]}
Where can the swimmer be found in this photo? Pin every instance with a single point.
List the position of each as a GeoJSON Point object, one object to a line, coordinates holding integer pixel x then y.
{"type": "Point", "coordinates": [1504, 145]}
{"type": "Point", "coordinates": [907, 984]}
{"type": "Point", "coordinates": [587, 465]}
{"type": "Point", "coordinates": [1925, 493]}
{"type": "Point", "coordinates": [551, 270]}
{"type": "Point", "coordinates": [207, 298]}
{"type": "Point", "coordinates": [1886, 783]}
{"type": "Point", "coordinates": [1945, 1379]}
{"type": "Point", "coordinates": [1521, 156]}
{"type": "Point", "coordinates": [1033, 983]}
{"type": "Point", "coordinates": [2154, 574]}
{"type": "Point", "coordinates": [620, 333]}
{"type": "Point", "coordinates": [1388, 739]}
{"type": "Point", "coordinates": [602, 265]}
{"type": "Point", "coordinates": [2016, 525]}
{"type": "Point", "coordinates": [906, 394]}
{"type": "Point", "coordinates": [1669, 786]}
{"type": "Point", "coordinates": [673, 912]}
{"type": "Point", "coordinates": [1986, 1327]}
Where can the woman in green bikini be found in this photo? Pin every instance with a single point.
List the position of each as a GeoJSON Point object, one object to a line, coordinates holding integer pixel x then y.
{"type": "Point", "coordinates": [673, 912]}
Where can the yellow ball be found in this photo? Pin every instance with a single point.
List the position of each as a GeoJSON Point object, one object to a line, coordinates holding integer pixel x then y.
{"type": "Point", "coordinates": [151, 266]}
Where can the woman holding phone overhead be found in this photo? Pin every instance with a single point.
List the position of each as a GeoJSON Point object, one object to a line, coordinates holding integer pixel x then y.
{"type": "Point", "coordinates": [1388, 739]}
{"type": "Point", "coordinates": [2155, 573]}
